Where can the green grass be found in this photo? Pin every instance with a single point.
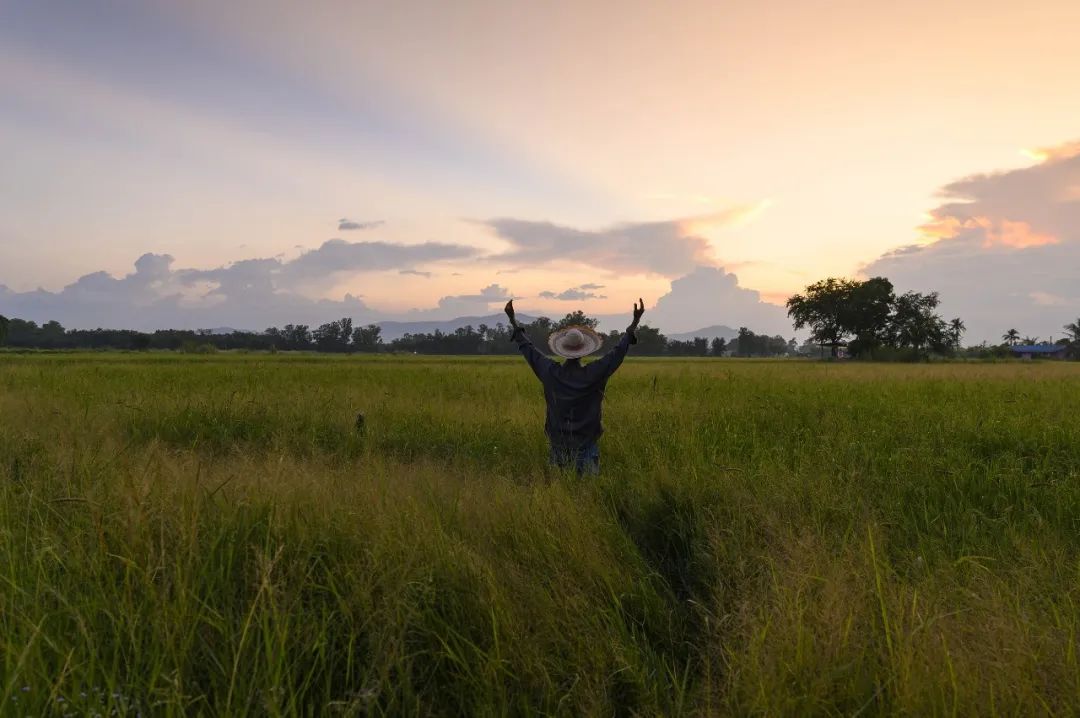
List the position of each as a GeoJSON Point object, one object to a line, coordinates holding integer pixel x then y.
{"type": "Point", "coordinates": [211, 535]}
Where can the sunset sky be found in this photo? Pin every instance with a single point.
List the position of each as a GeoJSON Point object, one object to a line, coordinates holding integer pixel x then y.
{"type": "Point", "coordinates": [272, 162]}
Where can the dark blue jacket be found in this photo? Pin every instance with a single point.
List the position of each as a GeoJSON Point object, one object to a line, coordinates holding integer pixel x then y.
{"type": "Point", "coordinates": [573, 391]}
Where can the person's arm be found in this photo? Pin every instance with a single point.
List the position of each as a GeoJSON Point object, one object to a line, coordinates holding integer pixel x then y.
{"type": "Point", "coordinates": [539, 363]}
{"type": "Point", "coordinates": [606, 365]}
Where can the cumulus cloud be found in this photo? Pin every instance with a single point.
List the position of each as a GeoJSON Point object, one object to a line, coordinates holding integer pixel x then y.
{"type": "Point", "coordinates": [1003, 249]}
{"type": "Point", "coordinates": [260, 291]}
{"type": "Point", "coordinates": [485, 301]}
{"type": "Point", "coordinates": [669, 248]}
{"type": "Point", "coordinates": [248, 294]}
{"type": "Point", "coordinates": [574, 294]}
{"type": "Point", "coordinates": [709, 296]}
{"type": "Point", "coordinates": [345, 224]}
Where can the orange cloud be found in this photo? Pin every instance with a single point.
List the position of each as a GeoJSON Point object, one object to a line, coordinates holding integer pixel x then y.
{"type": "Point", "coordinates": [940, 228]}
{"type": "Point", "coordinates": [1005, 233]}
{"type": "Point", "coordinates": [1006, 230]}
{"type": "Point", "coordinates": [1018, 235]}
{"type": "Point", "coordinates": [1052, 154]}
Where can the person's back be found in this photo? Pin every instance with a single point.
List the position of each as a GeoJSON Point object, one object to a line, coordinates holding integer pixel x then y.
{"type": "Point", "coordinates": [574, 392]}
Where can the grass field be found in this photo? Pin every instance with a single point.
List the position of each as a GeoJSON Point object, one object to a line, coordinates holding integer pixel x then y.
{"type": "Point", "coordinates": [212, 535]}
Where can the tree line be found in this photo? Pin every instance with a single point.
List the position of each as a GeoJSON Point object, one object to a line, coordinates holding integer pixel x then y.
{"type": "Point", "coordinates": [342, 336]}
{"type": "Point", "coordinates": [867, 317]}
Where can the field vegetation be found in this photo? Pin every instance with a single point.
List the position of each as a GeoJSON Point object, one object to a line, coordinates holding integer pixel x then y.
{"type": "Point", "coordinates": [221, 535]}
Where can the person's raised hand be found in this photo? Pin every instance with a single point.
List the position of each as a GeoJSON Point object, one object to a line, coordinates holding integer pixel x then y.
{"type": "Point", "coordinates": [639, 309]}
{"type": "Point", "coordinates": [510, 313]}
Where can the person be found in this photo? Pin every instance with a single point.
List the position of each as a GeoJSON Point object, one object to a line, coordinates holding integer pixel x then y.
{"type": "Point", "coordinates": [574, 391]}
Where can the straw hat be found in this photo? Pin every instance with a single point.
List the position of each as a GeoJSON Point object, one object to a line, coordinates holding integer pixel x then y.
{"type": "Point", "coordinates": [574, 342]}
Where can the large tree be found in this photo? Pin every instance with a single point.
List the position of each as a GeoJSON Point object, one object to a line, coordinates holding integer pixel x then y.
{"type": "Point", "coordinates": [915, 325]}
{"type": "Point", "coordinates": [835, 309]}
{"type": "Point", "coordinates": [650, 342]}
{"type": "Point", "coordinates": [823, 308]}
{"type": "Point", "coordinates": [744, 343]}
{"type": "Point", "coordinates": [367, 339]}
{"type": "Point", "coordinates": [577, 319]}
{"type": "Point", "coordinates": [334, 336]}
{"type": "Point", "coordinates": [539, 330]}
{"type": "Point", "coordinates": [3, 329]}
{"type": "Point", "coordinates": [866, 314]}
{"type": "Point", "coordinates": [1011, 337]}
{"type": "Point", "coordinates": [291, 336]}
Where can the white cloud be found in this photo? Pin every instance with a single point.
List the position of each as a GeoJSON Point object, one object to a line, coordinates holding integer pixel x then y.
{"type": "Point", "coordinates": [709, 296]}
{"type": "Point", "coordinates": [486, 300]}
{"type": "Point", "coordinates": [249, 294]}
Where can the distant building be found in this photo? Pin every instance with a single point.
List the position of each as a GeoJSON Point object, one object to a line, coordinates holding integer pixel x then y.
{"type": "Point", "coordinates": [1040, 351]}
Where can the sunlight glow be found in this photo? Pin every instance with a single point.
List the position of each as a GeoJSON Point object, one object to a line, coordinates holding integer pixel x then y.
{"type": "Point", "coordinates": [739, 216]}
{"type": "Point", "coordinates": [1035, 155]}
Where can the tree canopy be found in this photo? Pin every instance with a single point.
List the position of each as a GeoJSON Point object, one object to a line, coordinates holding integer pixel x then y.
{"type": "Point", "coordinates": [823, 307]}
{"type": "Point", "coordinates": [577, 319]}
{"type": "Point", "coordinates": [869, 314]}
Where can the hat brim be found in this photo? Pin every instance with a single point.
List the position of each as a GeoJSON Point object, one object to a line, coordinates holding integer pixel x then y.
{"type": "Point", "coordinates": [591, 342]}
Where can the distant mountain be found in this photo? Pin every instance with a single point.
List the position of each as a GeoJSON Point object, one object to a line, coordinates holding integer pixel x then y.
{"type": "Point", "coordinates": [717, 330]}
{"type": "Point", "coordinates": [396, 330]}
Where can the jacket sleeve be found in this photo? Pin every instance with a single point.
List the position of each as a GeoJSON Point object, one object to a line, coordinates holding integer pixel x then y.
{"type": "Point", "coordinates": [606, 365]}
{"type": "Point", "coordinates": [539, 363]}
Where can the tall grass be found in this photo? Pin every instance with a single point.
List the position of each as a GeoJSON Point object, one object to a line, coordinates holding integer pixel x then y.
{"type": "Point", "coordinates": [212, 535]}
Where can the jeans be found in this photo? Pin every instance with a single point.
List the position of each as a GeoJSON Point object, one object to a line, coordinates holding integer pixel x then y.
{"type": "Point", "coordinates": [585, 460]}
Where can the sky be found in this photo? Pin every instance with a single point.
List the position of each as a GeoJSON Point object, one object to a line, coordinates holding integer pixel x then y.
{"type": "Point", "coordinates": [250, 164]}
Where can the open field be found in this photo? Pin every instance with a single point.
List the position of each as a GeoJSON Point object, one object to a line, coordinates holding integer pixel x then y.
{"type": "Point", "coordinates": [212, 535]}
